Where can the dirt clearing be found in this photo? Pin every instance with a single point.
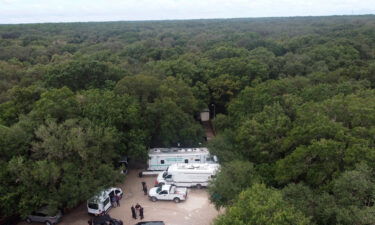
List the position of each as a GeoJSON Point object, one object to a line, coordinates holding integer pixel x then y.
{"type": "Point", "coordinates": [196, 210]}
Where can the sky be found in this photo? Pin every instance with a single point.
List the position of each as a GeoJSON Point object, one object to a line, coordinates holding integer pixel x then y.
{"type": "Point", "coordinates": [40, 11]}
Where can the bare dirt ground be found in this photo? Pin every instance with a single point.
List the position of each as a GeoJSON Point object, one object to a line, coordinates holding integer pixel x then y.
{"type": "Point", "coordinates": [196, 210]}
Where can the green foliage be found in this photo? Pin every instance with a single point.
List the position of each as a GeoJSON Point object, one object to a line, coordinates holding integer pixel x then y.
{"type": "Point", "coordinates": [73, 140]}
{"type": "Point", "coordinates": [22, 100]}
{"type": "Point", "coordinates": [350, 200]}
{"type": "Point", "coordinates": [233, 178]}
{"type": "Point", "coordinates": [261, 205]}
{"type": "Point", "coordinates": [107, 109]}
{"type": "Point", "coordinates": [81, 74]}
{"type": "Point", "coordinates": [224, 88]}
{"type": "Point", "coordinates": [143, 88]}
{"type": "Point", "coordinates": [58, 104]}
{"type": "Point", "coordinates": [74, 155]}
{"type": "Point", "coordinates": [316, 164]}
{"type": "Point", "coordinates": [294, 101]}
{"type": "Point", "coordinates": [13, 141]}
{"type": "Point", "coordinates": [317, 205]}
{"type": "Point", "coordinates": [354, 193]}
{"type": "Point", "coordinates": [261, 137]}
{"type": "Point", "coordinates": [170, 125]}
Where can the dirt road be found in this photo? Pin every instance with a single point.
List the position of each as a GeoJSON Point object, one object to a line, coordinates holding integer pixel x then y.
{"type": "Point", "coordinates": [196, 210]}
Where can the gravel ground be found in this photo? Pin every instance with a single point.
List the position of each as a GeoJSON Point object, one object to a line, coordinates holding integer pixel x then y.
{"type": "Point", "coordinates": [196, 210]}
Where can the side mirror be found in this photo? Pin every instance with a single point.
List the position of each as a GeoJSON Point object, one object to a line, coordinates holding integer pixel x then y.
{"type": "Point", "coordinates": [215, 159]}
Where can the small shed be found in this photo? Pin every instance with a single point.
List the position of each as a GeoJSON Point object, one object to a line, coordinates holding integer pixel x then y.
{"type": "Point", "coordinates": [205, 115]}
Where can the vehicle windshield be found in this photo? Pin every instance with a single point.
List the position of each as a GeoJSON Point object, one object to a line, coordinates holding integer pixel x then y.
{"type": "Point", "coordinates": [165, 174]}
{"type": "Point", "coordinates": [93, 206]}
{"type": "Point", "coordinates": [158, 190]}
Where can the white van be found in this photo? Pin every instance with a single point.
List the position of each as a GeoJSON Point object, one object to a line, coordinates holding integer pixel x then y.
{"type": "Point", "coordinates": [188, 175]}
{"type": "Point", "coordinates": [101, 202]}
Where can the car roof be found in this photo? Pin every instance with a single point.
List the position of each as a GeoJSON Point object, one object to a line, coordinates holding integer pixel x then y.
{"type": "Point", "coordinates": [113, 189]}
{"type": "Point", "coordinates": [101, 196]}
{"type": "Point", "coordinates": [165, 187]}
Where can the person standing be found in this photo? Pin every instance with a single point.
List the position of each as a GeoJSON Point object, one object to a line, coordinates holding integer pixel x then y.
{"type": "Point", "coordinates": [113, 201]}
{"type": "Point", "coordinates": [134, 215]}
{"type": "Point", "coordinates": [137, 206]}
{"type": "Point", "coordinates": [144, 187]}
{"type": "Point", "coordinates": [141, 213]}
{"type": "Point", "coordinates": [117, 200]}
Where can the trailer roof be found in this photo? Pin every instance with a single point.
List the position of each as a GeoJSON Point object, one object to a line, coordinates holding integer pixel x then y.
{"type": "Point", "coordinates": [194, 167]}
{"type": "Point", "coordinates": [162, 151]}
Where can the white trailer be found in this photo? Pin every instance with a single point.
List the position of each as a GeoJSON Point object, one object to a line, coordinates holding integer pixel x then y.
{"type": "Point", "coordinates": [160, 159]}
{"type": "Point", "coordinates": [188, 175]}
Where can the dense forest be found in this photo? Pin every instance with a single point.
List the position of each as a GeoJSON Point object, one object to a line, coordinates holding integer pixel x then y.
{"type": "Point", "coordinates": [294, 104]}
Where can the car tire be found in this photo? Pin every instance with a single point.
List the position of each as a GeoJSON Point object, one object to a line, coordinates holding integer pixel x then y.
{"type": "Point", "coordinates": [177, 200]}
{"type": "Point", "coordinates": [154, 199]}
{"type": "Point", "coordinates": [28, 220]}
{"type": "Point", "coordinates": [199, 186]}
{"type": "Point", "coordinates": [48, 223]}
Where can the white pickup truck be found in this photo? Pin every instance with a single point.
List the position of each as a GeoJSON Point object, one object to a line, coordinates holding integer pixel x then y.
{"type": "Point", "coordinates": [167, 192]}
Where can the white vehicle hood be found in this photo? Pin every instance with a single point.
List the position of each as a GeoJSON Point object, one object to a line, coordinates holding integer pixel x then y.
{"type": "Point", "coordinates": [152, 191]}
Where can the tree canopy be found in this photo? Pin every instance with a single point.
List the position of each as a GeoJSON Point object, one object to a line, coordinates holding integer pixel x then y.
{"type": "Point", "coordinates": [293, 101]}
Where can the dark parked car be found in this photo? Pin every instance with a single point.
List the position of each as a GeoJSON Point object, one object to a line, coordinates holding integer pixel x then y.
{"type": "Point", "coordinates": [105, 220]}
{"type": "Point", "coordinates": [116, 222]}
{"type": "Point", "coordinates": [9, 220]}
{"type": "Point", "coordinates": [151, 223]}
{"type": "Point", "coordinates": [43, 216]}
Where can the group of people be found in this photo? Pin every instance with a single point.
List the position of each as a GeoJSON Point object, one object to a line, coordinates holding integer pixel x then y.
{"type": "Point", "coordinates": [138, 209]}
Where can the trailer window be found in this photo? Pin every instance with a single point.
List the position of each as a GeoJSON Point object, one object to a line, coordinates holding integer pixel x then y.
{"type": "Point", "coordinates": [161, 161]}
{"type": "Point", "coordinates": [186, 161]}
